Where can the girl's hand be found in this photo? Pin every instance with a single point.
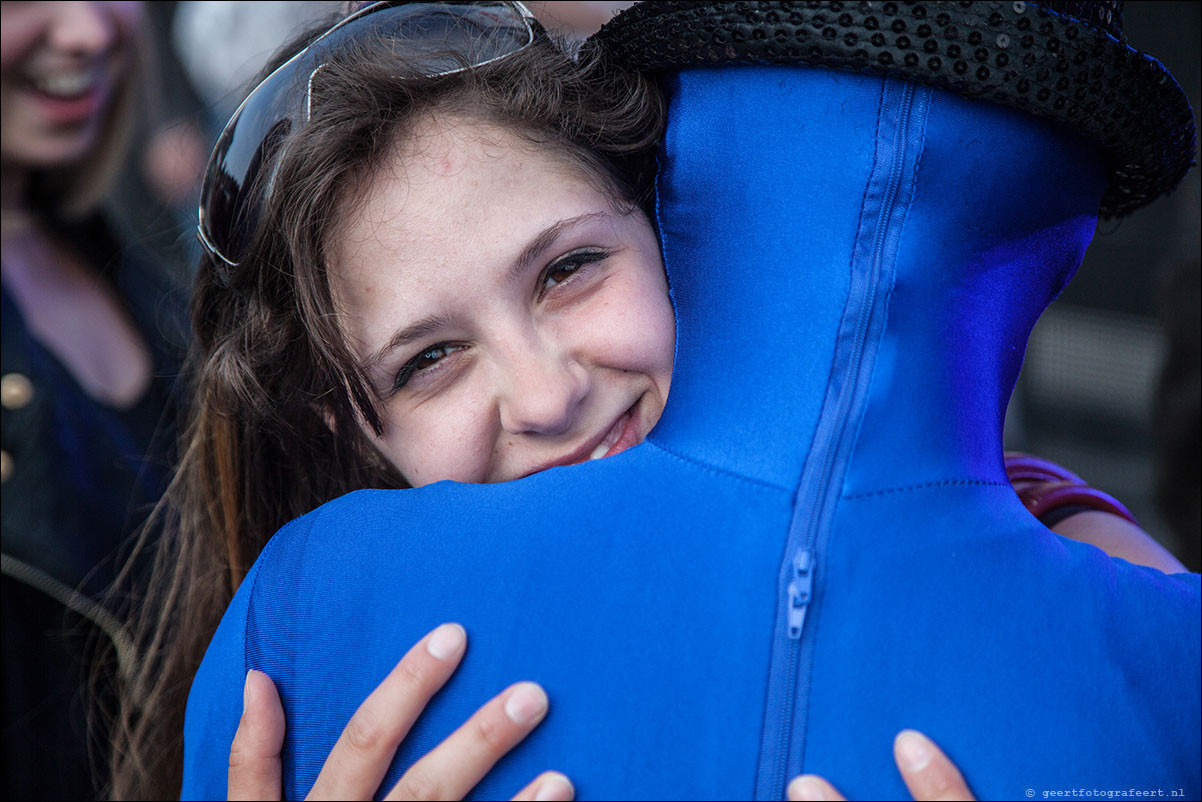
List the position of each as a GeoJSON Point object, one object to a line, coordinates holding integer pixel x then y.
{"type": "Point", "coordinates": [929, 775]}
{"type": "Point", "coordinates": [360, 758]}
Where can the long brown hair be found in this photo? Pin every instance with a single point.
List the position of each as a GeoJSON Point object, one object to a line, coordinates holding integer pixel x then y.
{"type": "Point", "coordinates": [274, 428]}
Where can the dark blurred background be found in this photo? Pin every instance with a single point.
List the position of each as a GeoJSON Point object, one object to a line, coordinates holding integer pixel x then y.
{"type": "Point", "coordinates": [1110, 386]}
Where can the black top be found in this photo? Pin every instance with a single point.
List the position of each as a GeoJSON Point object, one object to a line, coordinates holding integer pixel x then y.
{"type": "Point", "coordinates": [80, 478]}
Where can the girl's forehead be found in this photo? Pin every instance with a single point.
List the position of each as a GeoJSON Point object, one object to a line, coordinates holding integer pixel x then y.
{"type": "Point", "coordinates": [448, 181]}
{"type": "Point", "coordinates": [443, 143]}
{"type": "Point", "coordinates": [457, 197]}
{"type": "Point", "coordinates": [435, 136]}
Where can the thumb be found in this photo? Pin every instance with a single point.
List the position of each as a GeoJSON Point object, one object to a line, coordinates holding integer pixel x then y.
{"type": "Point", "coordinates": [255, 771]}
{"type": "Point", "coordinates": [928, 773]}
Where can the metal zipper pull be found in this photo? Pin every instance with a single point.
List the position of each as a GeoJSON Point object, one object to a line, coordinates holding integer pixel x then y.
{"type": "Point", "coordinates": [800, 590]}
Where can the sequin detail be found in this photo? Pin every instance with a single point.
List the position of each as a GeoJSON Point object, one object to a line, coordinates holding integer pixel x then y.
{"type": "Point", "coordinates": [1067, 62]}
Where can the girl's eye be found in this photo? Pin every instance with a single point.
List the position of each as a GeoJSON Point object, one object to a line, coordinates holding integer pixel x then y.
{"type": "Point", "coordinates": [425, 361]}
{"type": "Point", "coordinates": [563, 269]}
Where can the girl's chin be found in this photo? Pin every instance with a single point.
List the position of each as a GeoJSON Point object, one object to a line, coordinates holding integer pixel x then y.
{"type": "Point", "coordinates": [51, 146]}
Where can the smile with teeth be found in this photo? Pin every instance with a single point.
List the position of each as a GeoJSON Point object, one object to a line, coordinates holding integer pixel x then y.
{"type": "Point", "coordinates": [611, 437]}
{"type": "Point", "coordinates": [64, 84]}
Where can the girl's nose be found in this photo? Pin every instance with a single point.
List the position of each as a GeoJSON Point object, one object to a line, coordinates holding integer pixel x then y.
{"type": "Point", "coordinates": [83, 28]}
{"type": "Point", "coordinates": [542, 392]}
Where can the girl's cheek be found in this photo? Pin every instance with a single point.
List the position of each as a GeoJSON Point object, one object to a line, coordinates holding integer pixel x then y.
{"type": "Point", "coordinates": [21, 31]}
{"type": "Point", "coordinates": [421, 449]}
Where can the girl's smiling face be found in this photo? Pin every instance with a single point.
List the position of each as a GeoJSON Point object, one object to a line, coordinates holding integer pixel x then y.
{"type": "Point", "coordinates": [508, 313]}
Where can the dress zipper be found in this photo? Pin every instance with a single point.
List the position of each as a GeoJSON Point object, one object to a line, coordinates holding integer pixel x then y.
{"type": "Point", "coordinates": [817, 496]}
{"type": "Point", "coordinates": [800, 590]}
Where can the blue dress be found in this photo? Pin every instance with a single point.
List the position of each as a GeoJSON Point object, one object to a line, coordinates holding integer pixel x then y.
{"type": "Point", "coordinates": [817, 546]}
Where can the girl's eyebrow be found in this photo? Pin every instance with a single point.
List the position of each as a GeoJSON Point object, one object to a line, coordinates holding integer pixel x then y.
{"type": "Point", "coordinates": [547, 238]}
{"type": "Point", "coordinates": [414, 331]}
{"type": "Point", "coordinates": [428, 325]}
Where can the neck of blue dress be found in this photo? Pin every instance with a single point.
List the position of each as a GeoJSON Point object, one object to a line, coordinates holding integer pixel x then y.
{"type": "Point", "coordinates": [844, 239]}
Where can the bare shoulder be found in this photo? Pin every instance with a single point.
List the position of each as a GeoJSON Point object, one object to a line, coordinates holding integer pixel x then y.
{"type": "Point", "coordinates": [1118, 537]}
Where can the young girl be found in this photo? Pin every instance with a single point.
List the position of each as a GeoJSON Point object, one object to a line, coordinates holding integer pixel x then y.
{"type": "Point", "coordinates": [446, 274]}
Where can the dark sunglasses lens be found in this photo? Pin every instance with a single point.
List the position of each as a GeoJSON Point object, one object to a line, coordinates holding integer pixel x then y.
{"type": "Point", "coordinates": [429, 39]}
{"type": "Point", "coordinates": [237, 179]}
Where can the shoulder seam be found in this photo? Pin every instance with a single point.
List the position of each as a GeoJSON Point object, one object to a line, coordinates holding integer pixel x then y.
{"type": "Point", "coordinates": [756, 483]}
{"type": "Point", "coordinates": [924, 485]}
{"type": "Point", "coordinates": [256, 569]}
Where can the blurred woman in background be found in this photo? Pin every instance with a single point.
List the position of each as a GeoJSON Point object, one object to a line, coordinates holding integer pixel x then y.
{"type": "Point", "coordinates": [84, 366]}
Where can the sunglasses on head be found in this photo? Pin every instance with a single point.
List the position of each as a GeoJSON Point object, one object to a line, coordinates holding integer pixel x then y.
{"type": "Point", "coordinates": [432, 38]}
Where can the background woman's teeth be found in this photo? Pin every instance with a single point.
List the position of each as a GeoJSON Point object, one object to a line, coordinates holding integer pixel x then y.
{"type": "Point", "coordinates": [599, 451]}
{"type": "Point", "coordinates": [66, 84]}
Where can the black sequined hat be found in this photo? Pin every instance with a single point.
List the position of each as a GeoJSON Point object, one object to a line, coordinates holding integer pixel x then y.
{"type": "Point", "coordinates": [1064, 61]}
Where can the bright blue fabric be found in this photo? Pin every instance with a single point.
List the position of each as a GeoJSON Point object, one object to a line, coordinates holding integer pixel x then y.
{"type": "Point", "coordinates": [856, 264]}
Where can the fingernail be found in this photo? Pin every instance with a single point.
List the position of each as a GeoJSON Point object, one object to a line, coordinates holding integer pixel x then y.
{"type": "Point", "coordinates": [446, 642]}
{"type": "Point", "coordinates": [913, 750]}
{"type": "Point", "coordinates": [526, 703]}
{"type": "Point", "coordinates": [246, 690]}
{"type": "Point", "coordinates": [807, 787]}
{"type": "Point", "coordinates": [556, 787]}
